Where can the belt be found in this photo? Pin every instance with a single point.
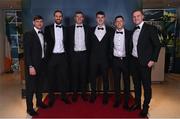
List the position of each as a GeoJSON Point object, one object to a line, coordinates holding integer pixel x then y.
{"type": "Point", "coordinates": [119, 58]}
{"type": "Point", "coordinates": [80, 51]}
{"type": "Point", "coordinates": [59, 53]}
{"type": "Point", "coordinates": [134, 57]}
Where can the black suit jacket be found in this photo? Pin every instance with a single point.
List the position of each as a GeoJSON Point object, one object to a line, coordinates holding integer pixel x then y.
{"type": "Point", "coordinates": [49, 36]}
{"type": "Point", "coordinates": [71, 36]}
{"type": "Point", "coordinates": [127, 42]}
{"type": "Point", "coordinates": [100, 50]}
{"type": "Point", "coordinates": [32, 49]}
{"type": "Point", "coordinates": [148, 46]}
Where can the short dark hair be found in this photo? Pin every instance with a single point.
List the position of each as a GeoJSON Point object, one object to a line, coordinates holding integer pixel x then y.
{"type": "Point", "coordinates": [57, 11]}
{"type": "Point", "coordinates": [100, 13]}
{"type": "Point", "coordinates": [138, 10]}
{"type": "Point", "coordinates": [79, 12]}
{"type": "Point", "coordinates": [119, 17]}
{"type": "Point", "coordinates": [37, 17]}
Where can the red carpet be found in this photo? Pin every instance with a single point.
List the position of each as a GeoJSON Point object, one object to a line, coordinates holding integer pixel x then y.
{"type": "Point", "coordinates": [82, 109]}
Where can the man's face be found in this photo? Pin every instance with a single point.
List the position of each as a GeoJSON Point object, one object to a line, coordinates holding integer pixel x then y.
{"type": "Point", "coordinates": [38, 23]}
{"type": "Point", "coordinates": [58, 17]}
{"type": "Point", "coordinates": [100, 19]}
{"type": "Point", "coordinates": [137, 17]}
{"type": "Point", "coordinates": [79, 18]}
{"type": "Point", "coordinates": [119, 23]}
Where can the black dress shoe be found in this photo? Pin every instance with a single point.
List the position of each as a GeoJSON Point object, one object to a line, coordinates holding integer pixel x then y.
{"type": "Point", "coordinates": [66, 100]}
{"type": "Point", "coordinates": [116, 104]}
{"type": "Point", "coordinates": [135, 107]}
{"type": "Point", "coordinates": [126, 107]}
{"type": "Point", "coordinates": [92, 98]}
{"type": "Point", "coordinates": [42, 105]}
{"type": "Point", "coordinates": [74, 97]}
{"type": "Point", "coordinates": [84, 97]}
{"type": "Point", "coordinates": [32, 112]}
{"type": "Point", "coordinates": [143, 114]}
{"type": "Point", "coordinates": [144, 111]}
{"type": "Point", "coordinates": [51, 103]}
{"type": "Point", "coordinates": [105, 100]}
{"type": "Point", "coordinates": [52, 99]}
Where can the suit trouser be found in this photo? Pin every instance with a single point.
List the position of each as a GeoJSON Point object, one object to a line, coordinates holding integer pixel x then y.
{"type": "Point", "coordinates": [34, 85]}
{"type": "Point", "coordinates": [141, 75]}
{"type": "Point", "coordinates": [121, 66]}
{"type": "Point", "coordinates": [58, 74]}
{"type": "Point", "coordinates": [99, 67]}
{"type": "Point", "coordinates": [79, 66]}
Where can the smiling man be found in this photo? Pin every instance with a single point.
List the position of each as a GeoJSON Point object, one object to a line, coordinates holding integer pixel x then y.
{"type": "Point", "coordinates": [79, 52]}
{"type": "Point", "coordinates": [145, 47]}
{"type": "Point", "coordinates": [120, 62]}
{"type": "Point", "coordinates": [100, 55]}
{"type": "Point", "coordinates": [56, 54]}
{"type": "Point", "coordinates": [34, 63]}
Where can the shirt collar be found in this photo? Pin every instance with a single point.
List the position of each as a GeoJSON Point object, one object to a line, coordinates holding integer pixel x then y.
{"type": "Point", "coordinates": [121, 30]}
{"type": "Point", "coordinates": [57, 24]}
{"type": "Point", "coordinates": [78, 24]}
{"type": "Point", "coordinates": [103, 26]}
{"type": "Point", "coordinates": [141, 24]}
{"type": "Point", "coordinates": [37, 30]}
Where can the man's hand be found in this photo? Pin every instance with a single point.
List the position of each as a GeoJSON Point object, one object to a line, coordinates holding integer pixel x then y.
{"type": "Point", "coordinates": [32, 71]}
{"type": "Point", "coordinates": [150, 64]}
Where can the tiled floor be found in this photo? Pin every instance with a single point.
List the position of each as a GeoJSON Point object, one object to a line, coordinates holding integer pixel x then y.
{"type": "Point", "coordinates": [165, 102]}
{"type": "Point", "coordinates": [11, 104]}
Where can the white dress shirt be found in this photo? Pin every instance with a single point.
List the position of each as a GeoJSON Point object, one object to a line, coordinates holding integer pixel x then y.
{"type": "Point", "coordinates": [100, 33]}
{"type": "Point", "coordinates": [135, 39]}
{"type": "Point", "coordinates": [59, 46]}
{"type": "Point", "coordinates": [41, 38]}
{"type": "Point", "coordinates": [79, 38]}
{"type": "Point", "coordinates": [119, 44]}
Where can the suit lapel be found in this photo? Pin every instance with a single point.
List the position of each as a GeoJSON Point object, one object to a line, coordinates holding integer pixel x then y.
{"type": "Point", "coordinates": [52, 32]}
{"type": "Point", "coordinates": [36, 37]}
{"type": "Point", "coordinates": [141, 33]}
{"type": "Point", "coordinates": [113, 38]}
{"type": "Point", "coordinates": [64, 33]}
{"type": "Point", "coordinates": [106, 34]}
{"type": "Point", "coordinates": [64, 38]}
{"type": "Point", "coordinates": [126, 39]}
{"type": "Point", "coordinates": [86, 31]}
{"type": "Point", "coordinates": [94, 33]}
{"type": "Point", "coordinates": [73, 35]}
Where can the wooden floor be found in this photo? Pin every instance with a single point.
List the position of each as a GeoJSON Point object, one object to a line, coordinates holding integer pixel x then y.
{"type": "Point", "coordinates": [165, 102]}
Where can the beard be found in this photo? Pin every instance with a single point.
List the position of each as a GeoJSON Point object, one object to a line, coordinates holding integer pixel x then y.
{"type": "Point", "coordinates": [58, 21]}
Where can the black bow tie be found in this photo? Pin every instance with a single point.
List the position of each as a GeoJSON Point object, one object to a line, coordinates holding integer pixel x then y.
{"type": "Point", "coordinates": [40, 32]}
{"type": "Point", "coordinates": [79, 26]}
{"type": "Point", "coordinates": [137, 27]}
{"type": "Point", "coordinates": [119, 32]}
{"type": "Point", "coordinates": [59, 26]}
{"type": "Point", "coordinates": [100, 28]}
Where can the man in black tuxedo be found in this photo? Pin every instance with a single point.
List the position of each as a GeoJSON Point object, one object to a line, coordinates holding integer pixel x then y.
{"type": "Point", "coordinates": [34, 47]}
{"type": "Point", "coordinates": [56, 54]}
{"type": "Point", "coordinates": [100, 55]}
{"type": "Point", "coordinates": [145, 47]}
{"type": "Point", "coordinates": [120, 60]}
{"type": "Point", "coordinates": [79, 50]}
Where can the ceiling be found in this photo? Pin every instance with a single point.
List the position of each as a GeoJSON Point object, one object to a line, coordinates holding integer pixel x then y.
{"type": "Point", "coordinates": [161, 3]}
{"type": "Point", "coordinates": [16, 4]}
